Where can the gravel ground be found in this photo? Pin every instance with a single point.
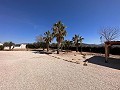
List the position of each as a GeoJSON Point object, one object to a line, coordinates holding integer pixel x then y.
{"type": "Point", "coordinates": [26, 70]}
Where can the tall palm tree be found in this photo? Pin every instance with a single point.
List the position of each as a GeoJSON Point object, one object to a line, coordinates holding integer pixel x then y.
{"type": "Point", "coordinates": [48, 38]}
{"type": "Point", "coordinates": [59, 32]}
{"type": "Point", "coordinates": [76, 40]}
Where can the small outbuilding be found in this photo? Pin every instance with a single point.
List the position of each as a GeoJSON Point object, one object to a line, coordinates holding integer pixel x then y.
{"type": "Point", "coordinates": [108, 44]}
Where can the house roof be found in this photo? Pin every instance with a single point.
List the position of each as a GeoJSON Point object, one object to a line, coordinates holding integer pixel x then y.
{"type": "Point", "coordinates": [113, 42]}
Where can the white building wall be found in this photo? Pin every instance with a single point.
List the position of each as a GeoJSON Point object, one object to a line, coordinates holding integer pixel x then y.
{"type": "Point", "coordinates": [22, 46]}
{"type": "Point", "coordinates": [17, 47]}
{"type": "Point", "coordinates": [7, 48]}
{"type": "Point", "coordinates": [1, 44]}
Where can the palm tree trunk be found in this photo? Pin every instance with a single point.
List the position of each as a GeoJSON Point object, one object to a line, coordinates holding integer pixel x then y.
{"type": "Point", "coordinates": [58, 47]}
{"type": "Point", "coordinates": [81, 48]}
{"type": "Point", "coordinates": [76, 48]}
{"type": "Point", "coordinates": [43, 46]}
{"type": "Point", "coordinates": [47, 47]}
{"type": "Point", "coordinates": [61, 48]}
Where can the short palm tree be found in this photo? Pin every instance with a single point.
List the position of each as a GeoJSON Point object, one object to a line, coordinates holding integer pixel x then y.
{"type": "Point", "coordinates": [81, 39]}
{"type": "Point", "coordinates": [68, 44]}
{"type": "Point", "coordinates": [59, 32]}
{"type": "Point", "coordinates": [76, 40]}
{"type": "Point", "coordinates": [48, 38]}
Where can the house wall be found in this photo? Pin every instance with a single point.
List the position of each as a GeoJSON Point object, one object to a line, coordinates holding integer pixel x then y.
{"type": "Point", "coordinates": [1, 44]}
{"type": "Point", "coordinates": [7, 48]}
{"type": "Point", "coordinates": [22, 46]}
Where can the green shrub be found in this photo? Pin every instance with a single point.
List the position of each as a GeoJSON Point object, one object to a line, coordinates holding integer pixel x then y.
{"type": "Point", "coordinates": [1, 47]}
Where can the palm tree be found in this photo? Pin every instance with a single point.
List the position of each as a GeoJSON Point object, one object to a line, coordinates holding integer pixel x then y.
{"type": "Point", "coordinates": [81, 39]}
{"type": "Point", "coordinates": [8, 44]}
{"type": "Point", "coordinates": [76, 40]}
{"type": "Point", "coordinates": [68, 44]}
{"type": "Point", "coordinates": [59, 32]}
{"type": "Point", "coordinates": [62, 45]}
{"type": "Point", "coordinates": [48, 38]}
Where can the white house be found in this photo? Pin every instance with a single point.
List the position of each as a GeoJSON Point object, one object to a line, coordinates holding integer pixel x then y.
{"type": "Point", "coordinates": [1, 44]}
{"type": "Point", "coordinates": [17, 47]}
{"type": "Point", "coordinates": [20, 46]}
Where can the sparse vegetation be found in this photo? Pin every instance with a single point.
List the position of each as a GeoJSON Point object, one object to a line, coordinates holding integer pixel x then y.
{"type": "Point", "coordinates": [35, 45]}
{"type": "Point", "coordinates": [85, 64]}
{"type": "Point", "coordinates": [66, 44]}
{"type": "Point", "coordinates": [1, 47]}
{"type": "Point", "coordinates": [84, 56]}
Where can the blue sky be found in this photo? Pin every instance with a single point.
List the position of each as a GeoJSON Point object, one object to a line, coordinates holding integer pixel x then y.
{"type": "Point", "coordinates": [22, 20]}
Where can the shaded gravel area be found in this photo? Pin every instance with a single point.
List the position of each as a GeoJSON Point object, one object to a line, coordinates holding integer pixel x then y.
{"type": "Point", "coordinates": [25, 70]}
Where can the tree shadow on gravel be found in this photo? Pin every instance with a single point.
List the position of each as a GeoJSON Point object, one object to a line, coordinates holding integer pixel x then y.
{"type": "Point", "coordinates": [41, 52]}
{"type": "Point", "coordinates": [99, 60]}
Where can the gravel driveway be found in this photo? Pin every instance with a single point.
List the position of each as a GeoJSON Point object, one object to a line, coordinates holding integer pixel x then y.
{"type": "Point", "coordinates": [25, 70]}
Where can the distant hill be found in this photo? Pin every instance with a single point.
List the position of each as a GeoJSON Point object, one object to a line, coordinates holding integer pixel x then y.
{"type": "Point", "coordinates": [92, 45]}
{"type": "Point", "coordinates": [97, 45]}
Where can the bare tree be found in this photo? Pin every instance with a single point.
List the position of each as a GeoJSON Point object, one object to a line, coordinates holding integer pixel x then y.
{"type": "Point", "coordinates": [40, 40]}
{"type": "Point", "coordinates": [109, 33]}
